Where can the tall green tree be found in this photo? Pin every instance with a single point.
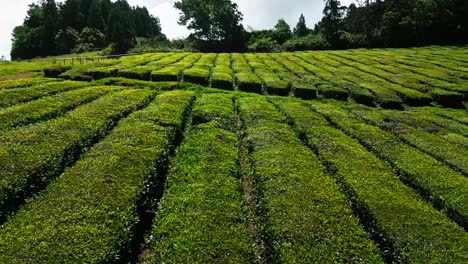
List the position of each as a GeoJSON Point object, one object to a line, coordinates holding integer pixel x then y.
{"type": "Point", "coordinates": [301, 29]}
{"type": "Point", "coordinates": [72, 16]}
{"type": "Point", "coordinates": [212, 21]}
{"type": "Point", "coordinates": [49, 27]}
{"type": "Point", "coordinates": [333, 14]}
{"type": "Point", "coordinates": [282, 31]}
{"type": "Point", "coordinates": [121, 30]}
{"type": "Point", "coordinates": [95, 16]}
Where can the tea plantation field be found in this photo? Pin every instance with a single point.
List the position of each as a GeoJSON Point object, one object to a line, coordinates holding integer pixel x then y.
{"type": "Point", "coordinates": [356, 156]}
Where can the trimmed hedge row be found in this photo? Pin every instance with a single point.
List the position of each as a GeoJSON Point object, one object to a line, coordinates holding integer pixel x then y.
{"type": "Point", "coordinates": [50, 107]}
{"type": "Point", "coordinates": [447, 98]}
{"type": "Point", "coordinates": [409, 96]}
{"type": "Point", "coordinates": [246, 79]}
{"type": "Point", "coordinates": [197, 75]}
{"type": "Point", "coordinates": [221, 73]}
{"type": "Point", "coordinates": [201, 215]}
{"type": "Point", "coordinates": [397, 80]}
{"type": "Point", "coordinates": [12, 84]}
{"type": "Point", "coordinates": [55, 70]}
{"type": "Point", "coordinates": [306, 219]}
{"type": "Point", "coordinates": [77, 73]}
{"type": "Point", "coordinates": [34, 155]}
{"type": "Point", "coordinates": [173, 71]}
{"type": "Point", "coordinates": [88, 215]}
{"type": "Point", "coordinates": [460, 116]}
{"type": "Point", "coordinates": [323, 79]}
{"type": "Point", "coordinates": [429, 122]}
{"type": "Point", "coordinates": [442, 65]}
{"type": "Point", "coordinates": [156, 61]}
{"type": "Point", "coordinates": [336, 73]}
{"type": "Point", "coordinates": [446, 188]}
{"type": "Point", "coordinates": [248, 82]}
{"type": "Point", "coordinates": [119, 81]}
{"type": "Point", "coordinates": [9, 97]}
{"type": "Point", "coordinates": [215, 108]}
{"type": "Point", "coordinates": [292, 73]}
{"type": "Point", "coordinates": [433, 144]}
{"type": "Point", "coordinates": [410, 227]}
{"type": "Point", "coordinates": [173, 58]}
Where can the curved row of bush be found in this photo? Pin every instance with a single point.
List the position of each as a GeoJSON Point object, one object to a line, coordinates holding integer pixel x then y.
{"type": "Point", "coordinates": [438, 145]}
{"type": "Point", "coordinates": [305, 218]}
{"type": "Point", "coordinates": [89, 213]}
{"type": "Point", "coordinates": [34, 155]}
{"type": "Point", "coordinates": [50, 107]}
{"type": "Point", "coordinates": [407, 226]}
{"type": "Point", "coordinates": [446, 188]}
{"type": "Point", "coordinates": [201, 214]}
{"type": "Point", "coordinates": [9, 97]}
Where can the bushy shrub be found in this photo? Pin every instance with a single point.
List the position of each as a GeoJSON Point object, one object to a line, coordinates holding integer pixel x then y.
{"type": "Point", "coordinates": [354, 41]}
{"type": "Point", "coordinates": [55, 70]}
{"type": "Point", "coordinates": [82, 48]}
{"type": "Point", "coordinates": [310, 42]}
{"type": "Point", "coordinates": [265, 44]}
{"type": "Point", "coordinates": [93, 37]}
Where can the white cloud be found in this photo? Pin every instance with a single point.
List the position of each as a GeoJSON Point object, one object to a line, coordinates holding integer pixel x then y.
{"type": "Point", "coordinates": [259, 14]}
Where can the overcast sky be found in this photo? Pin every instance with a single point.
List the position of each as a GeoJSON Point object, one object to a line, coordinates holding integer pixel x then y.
{"type": "Point", "coordinates": [259, 14]}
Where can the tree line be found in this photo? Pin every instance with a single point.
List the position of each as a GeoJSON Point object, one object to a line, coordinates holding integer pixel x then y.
{"type": "Point", "coordinates": [52, 28]}
{"type": "Point", "coordinates": [216, 26]}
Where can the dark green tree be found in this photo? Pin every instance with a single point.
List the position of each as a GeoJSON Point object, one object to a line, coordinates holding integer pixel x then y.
{"type": "Point", "coordinates": [120, 27]}
{"type": "Point", "coordinates": [282, 31]}
{"type": "Point", "coordinates": [72, 16]}
{"type": "Point", "coordinates": [25, 44]}
{"type": "Point", "coordinates": [301, 29]}
{"type": "Point", "coordinates": [146, 26]}
{"type": "Point", "coordinates": [331, 22]}
{"type": "Point", "coordinates": [93, 37]}
{"type": "Point", "coordinates": [95, 16]}
{"type": "Point", "coordinates": [66, 40]}
{"type": "Point", "coordinates": [34, 17]}
{"type": "Point", "coordinates": [49, 27]}
{"type": "Point", "coordinates": [213, 21]}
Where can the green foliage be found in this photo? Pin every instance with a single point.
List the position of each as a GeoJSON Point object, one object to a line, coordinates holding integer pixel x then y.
{"type": "Point", "coordinates": [197, 75]}
{"type": "Point", "coordinates": [81, 26]}
{"type": "Point", "coordinates": [9, 97]}
{"type": "Point", "coordinates": [55, 70]}
{"type": "Point", "coordinates": [387, 78]}
{"type": "Point", "coordinates": [217, 109]}
{"type": "Point", "coordinates": [441, 185]}
{"type": "Point", "coordinates": [447, 98]}
{"type": "Point", "coordinates": [422, 137]}
{"type": "Point", "coordinates": [282, 31]}
{"type": "Point", "coordinates": [118, 183]}
{"type": "Point", "coordinates": [50, 107]}
{"type": "Point", "coordinates": [12, 84]}
{"type": "Point", "coordinates": [34, 155]}
{"type": "Point", "coordinates": [221, 73]}
{"type": "Point", "coordinates": [159, 86]}
{"type": "Point", "coordinates": [249, 82]}
{"type": "Point", "coordinates": [92, 37]}
{"type": "Point", "coordinates": [121, 30]}
{"type": "Point", "coordinates": [204, 178]}
{"type": "Point", "coordinates": [301, 29]}
{"type": "Point", "coordinates": [311, 42]}
{"type": "Point", "coordinates": [397, 216]}
{"type": "Point", "coordinates": [216, 22]}
{"type": "Point", "coordinates": [295, 192]}
{"type": "Point", "coordinates": [66, 40]}
{"type": "Point", "coordinates": [266, 44]}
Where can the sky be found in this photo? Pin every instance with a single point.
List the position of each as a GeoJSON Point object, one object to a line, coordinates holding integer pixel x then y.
{"type": "Point", "coordinates": [258, 14]}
